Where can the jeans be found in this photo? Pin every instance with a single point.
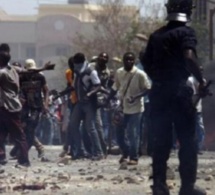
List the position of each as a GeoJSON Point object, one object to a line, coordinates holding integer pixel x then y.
{"type": "Point", "coordinates": [87, 112]}
{"type": "Point", "coordinates": [100, 130]}
{"type": "Point", "coordinates": [45, 129]}
{"type": "Point", "coordinates": [128, 136]}
{"type": "Point", "coordinates": [200, 130]}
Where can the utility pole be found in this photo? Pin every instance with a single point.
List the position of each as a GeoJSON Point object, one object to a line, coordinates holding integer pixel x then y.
{"type": "Point", "coordinates": [211, 33]}
{"type": "Point", "coordinates": [211, 28]}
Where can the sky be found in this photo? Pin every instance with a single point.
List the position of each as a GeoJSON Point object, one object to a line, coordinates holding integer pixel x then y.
{"type": "Point", "coordinates": [26, 7]}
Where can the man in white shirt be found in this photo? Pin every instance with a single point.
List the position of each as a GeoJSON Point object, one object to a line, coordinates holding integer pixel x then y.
{"type": "Point", "coordinates": [130, 82]}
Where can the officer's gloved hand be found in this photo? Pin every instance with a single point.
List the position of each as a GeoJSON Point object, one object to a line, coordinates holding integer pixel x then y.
{"type": "Point", "coordinates": [203, 90]}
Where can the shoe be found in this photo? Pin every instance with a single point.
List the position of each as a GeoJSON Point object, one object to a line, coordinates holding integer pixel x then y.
{"type": "Point", "coordinates": [160, 189]}
{"type": "Point", "coordinates": [23, 165]}
{"type": "Point", "coordinates": [123, 160]}
{"type": "Point", "coordinates": [97, 158]}
{"type": "Point", "coordinates": [133, 162]}
{"type": "Point", "coordinates": [41, 153]}
{"type": "Point", "coordinates": [63, 153]}
{"type": "Point", "coordinates": [192, 190]}
{"type": "Point", "coordinates": [3, 162]}
{"type": "Point", "coordinates": [44, 159]}
{"type": "Point", "coordinates": [14, 152]}
{"type": "Point", "coordinates": [79, 157]}
{"type": "Point", "coordinates": [1, 170]}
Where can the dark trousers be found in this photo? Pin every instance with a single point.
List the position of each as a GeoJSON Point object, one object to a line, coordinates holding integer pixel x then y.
{"type": "Point", "coordinates": [30, 119]}
{"type": "Point", "coordinates": [171, 105]}
{"type": "Point", "coordinates": [10, 123]}
{"type": "Point", "coordinates": [31, 124]}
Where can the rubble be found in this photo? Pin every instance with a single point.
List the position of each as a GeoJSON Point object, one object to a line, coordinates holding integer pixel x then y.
{"type": "Point", "coordinates": [100, 178]}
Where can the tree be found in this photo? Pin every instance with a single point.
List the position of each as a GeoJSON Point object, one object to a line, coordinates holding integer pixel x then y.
{"type": "Point", "coordinates": [203, 40]}
{"type": "Point", "coordinates": [115, 27]}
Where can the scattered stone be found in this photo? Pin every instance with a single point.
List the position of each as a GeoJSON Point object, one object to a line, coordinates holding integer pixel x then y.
{"type": "Point", "coordinates": [55, 187]}
{"type": "Point", "coordinates": [81, 170]}
{"type": "Point", "coordinates": [133, 169]}
{"type": "Point", "coordinates": [209, 178]}
{"type": "Point", "coordinates": [3, 189]}
{"type": "Point", "coordinates": [138, 173]}
{"type": "Point", "coordinates": [65, 160]}
{"type": "Point", "coordinates": [100, 177]}
{"type": "Point", "coordinates": [37, 171]}
{"type": "Point", "coordinates": [123, 166]}
{"type": "Point", "coordinates": [64, 177]}
{"type": "Point", "coordinates": [2, 171]}
{"type": "Point", "coordinates": [90, 178]}
{"type": "Point", "coordinates": [133, 180]}
{"type": "Point", "coordinates": [171, 185]}
{"type": "Point", "coordinates": [61, 165]}
{"type": "Point", "coordinates": [117, 180]}
{"type": "Point", "coordinates": [29, 187]}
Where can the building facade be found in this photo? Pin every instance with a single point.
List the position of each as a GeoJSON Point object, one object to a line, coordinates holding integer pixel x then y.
{"type": "Point", "coordinates": [50, 33]}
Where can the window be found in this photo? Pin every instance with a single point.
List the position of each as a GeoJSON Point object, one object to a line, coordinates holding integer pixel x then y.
{"type": "Point", "coordinates": [30, 52]}
{"type": "Point", "coordinates": [61, 51]}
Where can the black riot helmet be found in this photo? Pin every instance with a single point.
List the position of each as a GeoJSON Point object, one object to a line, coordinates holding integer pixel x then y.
{"type": "Point", "coordinates": [179, 10]}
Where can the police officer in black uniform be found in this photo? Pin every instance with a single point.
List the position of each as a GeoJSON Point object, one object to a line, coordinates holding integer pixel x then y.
{"type": "Point", "coordinates": [169, 59]}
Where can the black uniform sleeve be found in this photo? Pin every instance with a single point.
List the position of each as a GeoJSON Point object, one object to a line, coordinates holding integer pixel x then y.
{"type": "Point", "coordinates": [189, 40]}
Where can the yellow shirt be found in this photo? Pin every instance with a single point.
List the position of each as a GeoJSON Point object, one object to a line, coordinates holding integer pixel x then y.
{"type": "Point", "coordinates": [73, 96]}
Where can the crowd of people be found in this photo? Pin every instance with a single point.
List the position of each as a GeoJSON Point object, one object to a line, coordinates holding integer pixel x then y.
{"type": "Point", "coordinates": [141, 105]}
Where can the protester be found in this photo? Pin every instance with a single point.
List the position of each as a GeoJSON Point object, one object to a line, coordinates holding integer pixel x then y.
{"type": "Point", "coordinates": [86, 85]}
{"type": "Point", "coordinates": [131, 83]}
{"type": "Point", "coordinates": [10, 108]}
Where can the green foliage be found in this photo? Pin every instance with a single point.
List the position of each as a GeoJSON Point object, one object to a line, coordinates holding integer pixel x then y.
{"type": "Point", "coordinates": [115, 29]}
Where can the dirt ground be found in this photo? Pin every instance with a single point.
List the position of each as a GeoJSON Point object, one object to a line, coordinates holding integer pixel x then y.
{"type": "Point", "coordinates": [86, 177]}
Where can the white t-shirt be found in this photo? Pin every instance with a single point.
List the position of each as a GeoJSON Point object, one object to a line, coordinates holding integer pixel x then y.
{"type": "Point", "coordinates": [194, 84]}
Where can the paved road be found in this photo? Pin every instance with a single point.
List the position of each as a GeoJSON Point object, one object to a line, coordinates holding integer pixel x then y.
{"type": "Point", "coordinates": [95, 178]}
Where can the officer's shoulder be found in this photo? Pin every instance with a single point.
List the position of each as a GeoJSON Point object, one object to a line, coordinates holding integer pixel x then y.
{"type": "Point", "coordinates": [158, 31]}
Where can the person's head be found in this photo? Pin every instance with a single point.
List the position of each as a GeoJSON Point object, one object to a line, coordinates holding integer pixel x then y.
{"type": "Point", "coordinates": [102, 60]}
{"type": "Point", "coordinates": [30, 64]}
{"type": "Point", "coordinates": [129, 61]}
{"type": "Point", "coordinates": [179, 10]}
{"type": "Point", "coordinates": [4, 58]}
{"type": "Point", "coordinates": [5, 47]}
{"type": "Point", "coordinates": [71, 63]}
{"type": "Point", "coordinates": [79, 62]}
